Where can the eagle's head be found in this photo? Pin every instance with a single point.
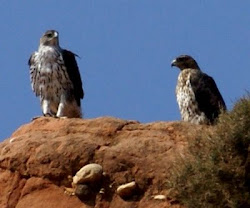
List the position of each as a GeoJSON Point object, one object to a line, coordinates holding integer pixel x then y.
{"type": "Point", "coordinates": [185, 62]}
{"type": "Point", "coordinates": [50, 38]}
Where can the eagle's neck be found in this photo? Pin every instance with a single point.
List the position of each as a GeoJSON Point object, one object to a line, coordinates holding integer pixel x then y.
{"type": "Point", "coordinates": [48, 48]}
{"type": "Point", "coordinates": [49, 52]}
{"type": "Point", "coordinates": [191, 69]}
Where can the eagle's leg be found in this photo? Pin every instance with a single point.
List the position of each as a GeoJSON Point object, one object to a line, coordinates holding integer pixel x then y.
{"type": "Point", "coordinates": [60, 110]}
{"type": "Point", "coordinates": [46, 108]}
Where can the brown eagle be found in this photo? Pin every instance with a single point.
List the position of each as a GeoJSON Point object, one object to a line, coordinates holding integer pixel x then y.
{"type": "Point", "coordinates": [198, 97]}
{"type": "Point", "coordinates": [55, 78]}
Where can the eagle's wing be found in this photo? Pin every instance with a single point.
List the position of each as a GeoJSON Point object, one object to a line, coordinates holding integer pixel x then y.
{"type": "Point", "coordinates": [207, 95]}
{"type": "Point", "coordinates": [74, 74]}
{"type": "Point", "coordinates": [33, 73]}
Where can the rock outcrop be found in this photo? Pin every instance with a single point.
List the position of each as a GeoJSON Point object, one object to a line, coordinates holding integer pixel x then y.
{"type": "Point", "coordinates": [40, 159]}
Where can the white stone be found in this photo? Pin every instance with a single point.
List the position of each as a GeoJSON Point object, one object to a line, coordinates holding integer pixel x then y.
{"type": "Point", "coordinates": [88, 173]}
{"type": "Point", "coordinates": [126, 190]}
{"type": "Point", "coordinates": [160, 197]}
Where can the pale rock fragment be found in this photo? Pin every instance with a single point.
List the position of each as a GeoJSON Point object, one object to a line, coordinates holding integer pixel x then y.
{"type": "Point", "coordinates": [126, 190]}
{"type": "Point", "coordinates": [160, 197]}
{"type": "Point", "coordinates": [88, 174]}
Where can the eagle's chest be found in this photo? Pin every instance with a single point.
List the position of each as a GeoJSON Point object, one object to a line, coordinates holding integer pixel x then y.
{"type": "Point", "coordinates": [52, 78]}
{"type": "Point", "coordinates": [49, 63]}
{"type": "Point", "coordinates": [184, 93]}
{"type": "Point", "coordinates": [186, 99]}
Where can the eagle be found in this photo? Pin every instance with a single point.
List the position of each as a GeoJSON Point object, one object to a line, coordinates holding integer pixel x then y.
{"type": "Point", "coordinates": [55, 78]}
{"type": "Point", "coordinates": [198, 97]}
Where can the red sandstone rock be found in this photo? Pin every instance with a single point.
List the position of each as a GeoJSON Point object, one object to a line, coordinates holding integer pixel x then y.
{"type": "Point", "coordinates": [38, 161]}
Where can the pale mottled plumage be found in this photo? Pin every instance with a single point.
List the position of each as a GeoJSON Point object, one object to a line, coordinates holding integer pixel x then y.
{"type": "Point", "coordinates": [198, 97]}
{"type": "Point", "coordinates": [55, 78]}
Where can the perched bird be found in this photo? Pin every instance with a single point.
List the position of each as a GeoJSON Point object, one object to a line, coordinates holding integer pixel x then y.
{"type": "Point", "coordinates": [55, 78]}
{"type": "Point", "coordinates": [198, 97]}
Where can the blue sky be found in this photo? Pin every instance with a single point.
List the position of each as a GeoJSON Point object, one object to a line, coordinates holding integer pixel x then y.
{"type": "Point", "coordinates": [126, 48]}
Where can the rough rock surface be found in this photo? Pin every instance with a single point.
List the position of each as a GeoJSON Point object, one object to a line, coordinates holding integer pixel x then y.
{"type": "Point", "coordinates": [39, 160]}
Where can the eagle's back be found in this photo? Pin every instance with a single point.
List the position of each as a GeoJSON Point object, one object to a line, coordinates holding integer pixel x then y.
{"type": "Point", "coordinates": [208, 96]}
{"type": "Point", "coordinates": [186, 99]}
{"type": "Point", "coordinates": [74, 74]}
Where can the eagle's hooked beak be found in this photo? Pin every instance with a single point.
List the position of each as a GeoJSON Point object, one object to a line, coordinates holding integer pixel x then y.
{"type": "Point", "coordinates": [56, 34]}
{"type": "Point", "coordinates": [173, 63]}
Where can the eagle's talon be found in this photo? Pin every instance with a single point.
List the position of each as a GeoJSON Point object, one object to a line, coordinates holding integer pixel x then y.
{"type": "Point", "coordinates": [36, 117]}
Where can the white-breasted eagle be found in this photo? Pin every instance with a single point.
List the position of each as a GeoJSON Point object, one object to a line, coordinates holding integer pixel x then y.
{"type": "Point", "coordinates": [55, 78]}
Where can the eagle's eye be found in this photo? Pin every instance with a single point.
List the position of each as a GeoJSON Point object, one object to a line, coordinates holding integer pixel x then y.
{"type": "Point", "coordinates": [49, 35]}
